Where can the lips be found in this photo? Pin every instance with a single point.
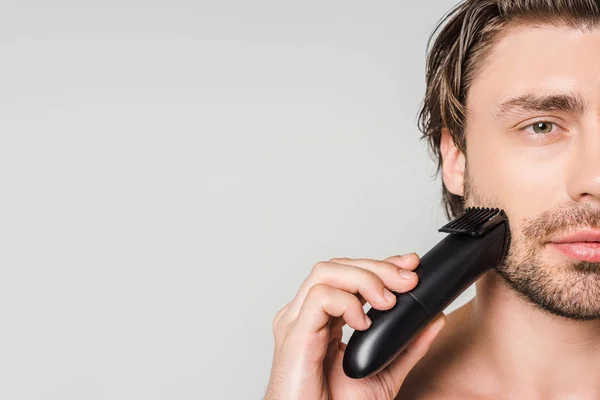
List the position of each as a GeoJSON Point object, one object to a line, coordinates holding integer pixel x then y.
{"type": "Point", "coordinates": [582, 245]}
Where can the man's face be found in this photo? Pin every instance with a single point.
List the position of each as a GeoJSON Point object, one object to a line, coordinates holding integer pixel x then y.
{"type": "Point", "coordinates": [538, 158]}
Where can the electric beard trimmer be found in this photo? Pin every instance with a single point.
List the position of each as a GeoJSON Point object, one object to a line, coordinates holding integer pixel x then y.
{"type": "Point", "coordinates": [478, 240]}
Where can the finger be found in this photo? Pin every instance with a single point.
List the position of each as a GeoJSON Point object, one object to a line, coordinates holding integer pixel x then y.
{"type": "Point", "coordinates": [324, 302]}
{"type": "Point", "coordinates": [278, 316]}
{"type": "Point", "coordinates": [395, 278]}
{"type": "Point", "coordinates": [336, 326]}
{"type": "Point", "coordinates": [349, 278]}
{"type": "Point", "coordinates": [362, 300]}
{"type": "Point", "coordinates": [335, 339]}
{"type": "Point", "coordinates": [401, 366]}
{"type": "Point", "coordinates": [408, 261]}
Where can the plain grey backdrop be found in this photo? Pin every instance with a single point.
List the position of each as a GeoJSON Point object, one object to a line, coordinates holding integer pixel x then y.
{"type": "Point", "coordinates": [172, 170]}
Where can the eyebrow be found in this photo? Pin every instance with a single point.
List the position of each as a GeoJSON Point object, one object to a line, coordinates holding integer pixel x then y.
{"type": "Point", "coordinates": [572, 103]}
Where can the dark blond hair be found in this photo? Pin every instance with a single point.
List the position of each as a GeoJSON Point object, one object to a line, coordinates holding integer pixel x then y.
{"type": "Point", "coordinates": [464, 37]}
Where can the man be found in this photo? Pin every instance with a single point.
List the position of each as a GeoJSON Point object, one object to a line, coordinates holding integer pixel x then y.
{"type": "Point", "coordinates": [512, 114]}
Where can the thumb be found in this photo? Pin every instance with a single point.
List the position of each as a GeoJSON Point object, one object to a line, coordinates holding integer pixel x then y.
{"type": "Point", "coordinates": [401, 366]}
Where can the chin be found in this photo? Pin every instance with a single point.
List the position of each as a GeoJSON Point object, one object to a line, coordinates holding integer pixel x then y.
{"type": "Point", "coordinates": [555, 283]}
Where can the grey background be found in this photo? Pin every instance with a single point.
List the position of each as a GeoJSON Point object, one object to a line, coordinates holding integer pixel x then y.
{"type": "Point", "coordinates": [171, 171]}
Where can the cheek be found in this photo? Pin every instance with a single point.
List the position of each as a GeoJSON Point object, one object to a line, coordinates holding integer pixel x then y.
{"type": "Point", "coordinates": [517, 178]}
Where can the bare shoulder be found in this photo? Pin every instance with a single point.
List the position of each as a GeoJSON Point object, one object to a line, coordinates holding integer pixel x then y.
{"type": "Point", "coordinates": [439, 374]}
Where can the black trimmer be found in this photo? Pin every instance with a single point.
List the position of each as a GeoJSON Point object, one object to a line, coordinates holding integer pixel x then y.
{"type": "Point", "coordinates": [478, 241]}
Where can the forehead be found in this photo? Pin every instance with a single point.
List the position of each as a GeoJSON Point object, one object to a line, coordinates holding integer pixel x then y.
{"type": "Point", "coordinates": [538, 59]}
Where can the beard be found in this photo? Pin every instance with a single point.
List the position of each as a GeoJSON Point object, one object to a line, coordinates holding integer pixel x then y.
{"type": "Point", "coordinates": [569, 289]}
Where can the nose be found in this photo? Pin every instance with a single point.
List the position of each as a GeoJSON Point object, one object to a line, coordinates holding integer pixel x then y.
{"type": "Point", "coordinates": [584, 180]}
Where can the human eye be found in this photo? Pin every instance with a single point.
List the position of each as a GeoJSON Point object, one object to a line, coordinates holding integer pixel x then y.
{"type": "Point", "coordinates": [541, 129]}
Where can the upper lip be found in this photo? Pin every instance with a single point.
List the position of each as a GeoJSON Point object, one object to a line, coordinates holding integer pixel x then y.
{"type": "Point", "coordinates": [587, 235]}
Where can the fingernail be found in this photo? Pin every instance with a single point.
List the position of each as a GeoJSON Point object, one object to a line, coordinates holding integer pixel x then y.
{"type": "Point", "coordinates": [398, 260]}
{"type": "Point", "coordinates": [406, 259]}
{"type": "Point", "coordinates": [404, 274]}
{"type": "Point", "coordinates": [368, 320]}
{"type": "Point", "coordinates": [389, 296]}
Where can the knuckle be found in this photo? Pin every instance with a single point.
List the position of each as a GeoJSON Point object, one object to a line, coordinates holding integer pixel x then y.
{"type": "Point", "coordinates": [318, 290]}
{"type": "Point", "coordinates": [371, 277]}
{"type": "Point", "coordinates": [318, 295]}
{"type": "Point", "coordinates": [277, 318]}
{"type": "Point", "coordinates": [320, 266]}
{"type": "Point", "coordinates": [355, 303]}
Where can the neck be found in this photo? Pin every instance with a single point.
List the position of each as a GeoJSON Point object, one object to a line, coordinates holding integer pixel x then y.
{"type": "Point", "coordinates": [532, 352]}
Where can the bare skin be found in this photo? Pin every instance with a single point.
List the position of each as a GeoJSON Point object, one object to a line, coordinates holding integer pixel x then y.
{"type": "Point", "coordinates": [498, 346]}
{"type": "Point", "coordinates": [516, 344]}
{"type": "Point", "coordinates": [307, 363]}
{"type": "Point", "coordinates": [533, 330]}
{"type": "Point", "coordinates": [435, 375]}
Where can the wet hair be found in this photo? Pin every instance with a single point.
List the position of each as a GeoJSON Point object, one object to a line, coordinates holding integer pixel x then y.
{"type": "Point", "coordinates": [463, 39]}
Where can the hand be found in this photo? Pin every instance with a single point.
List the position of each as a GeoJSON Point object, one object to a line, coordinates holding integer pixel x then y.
{"type": "Point", "coordinates": [307, 361]}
